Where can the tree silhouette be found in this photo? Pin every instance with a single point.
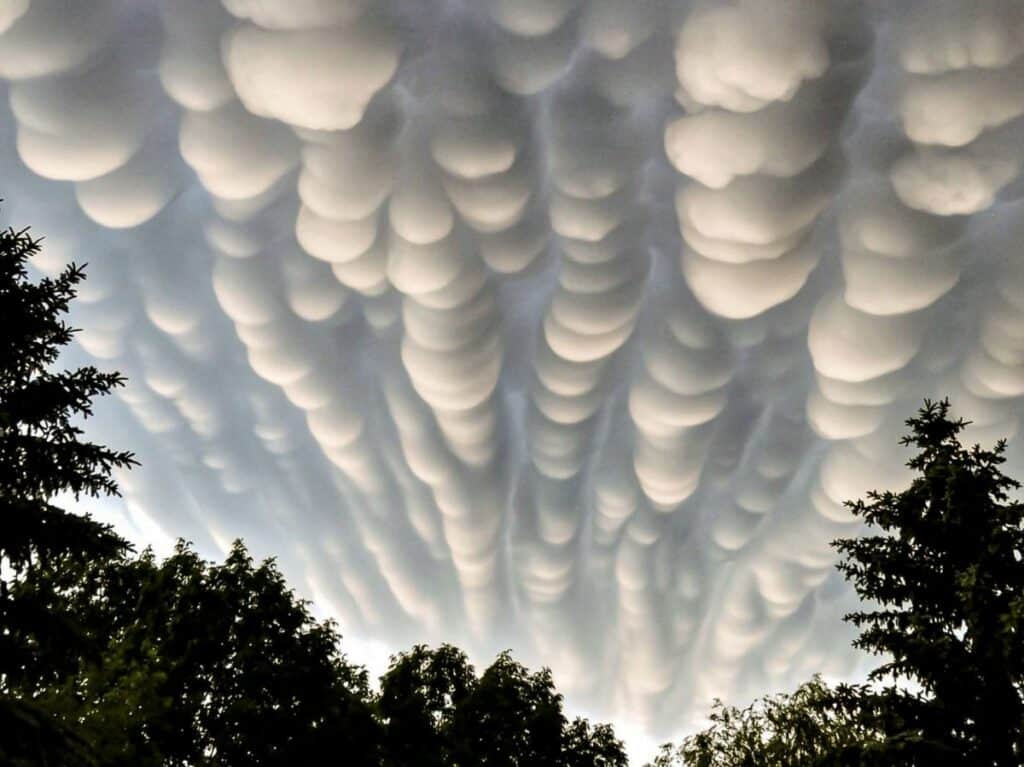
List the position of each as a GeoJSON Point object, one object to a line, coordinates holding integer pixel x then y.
{"type": "Point", "coordinates": [948, 577]}
{"type": "Point", "coordinates": [597, 746]}
{"type": "Point", "coordinates": [437, 712]}
{"type": "Point", "coordinates": [217, 664]}
{"type": "Point", "coordinates": [943, 588]}
{"type": "Point", "coordinates": [511, 718]}
{"type": "Point", "coordinates": [42, 454]}
{"type": "Point", "coordinates": [419, 695]}
{"type": "Point", "coordinates": [812, 727]}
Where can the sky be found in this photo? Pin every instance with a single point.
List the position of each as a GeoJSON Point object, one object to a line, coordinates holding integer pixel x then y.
{"type": "Point", "coordinates": [565, 326]}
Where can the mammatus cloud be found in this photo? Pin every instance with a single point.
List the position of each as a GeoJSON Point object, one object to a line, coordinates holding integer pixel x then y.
{"type": "Point", "coordinates": [561, 325]}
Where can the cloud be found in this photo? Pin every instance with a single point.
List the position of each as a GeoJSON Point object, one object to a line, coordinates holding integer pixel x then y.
{"type": "Point", "coordinates": [566, 326]}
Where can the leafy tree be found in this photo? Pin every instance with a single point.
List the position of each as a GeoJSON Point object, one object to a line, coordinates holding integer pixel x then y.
{"type": "Point", "coordinates": [947, 572]}
{"type": "Point", "coordinates": [418, 698]}
{"type": "Point", "coordinates": [511, 718]}
{"type": "Point", "coordinates": [437, 712]}
{"type": "Point", "coordinates": [41, 455]}
{"type": "Point", "coordinates": [214, 664]}
{"type": "Point", "coordinates": [597, 746]}
{"type": "Point", "coordinates": [814, 726]}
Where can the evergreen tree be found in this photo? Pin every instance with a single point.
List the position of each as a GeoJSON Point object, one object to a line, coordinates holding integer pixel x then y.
{"type": "Point", "coordinates": [947, 575]}
{"type": "Point", "coordinates": [42, 454]}
{"type": "Point", "coordinates": [943, 587]}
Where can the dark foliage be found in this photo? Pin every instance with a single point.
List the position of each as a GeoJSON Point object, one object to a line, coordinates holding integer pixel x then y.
{"type": "Point", "coordinates": [943, 588]}
{"type": "Point", "coordinates": [41, 455]}
{"type": "Point", "coordinates": [212, 664]}
{"type": "Point", "coordinates": [947, 575]}
{"type": "Point", "coordinates": [437, 712]}
{"type": "Point", "coordinates": [597, 746]}
{"type": "Point", "coordinates": [205, 664]}
{"type": "Point", "coordinates": [815, 726]}
{"type": "Point", "coordinates": [418, 698]}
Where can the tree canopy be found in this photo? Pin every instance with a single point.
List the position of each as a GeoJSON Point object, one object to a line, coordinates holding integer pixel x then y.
{"type": "Point", "coordinates": [212, 664]}
{"type": "Point", "coordinates": [221, 664]}
{"type": "Point", "coordinates": [814, 725]}
{"type": "Point", "coordinates": [438, 712]}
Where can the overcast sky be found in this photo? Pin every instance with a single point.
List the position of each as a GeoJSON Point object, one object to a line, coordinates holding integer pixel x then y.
{"type": "Point", "coordinates": [558, 325]}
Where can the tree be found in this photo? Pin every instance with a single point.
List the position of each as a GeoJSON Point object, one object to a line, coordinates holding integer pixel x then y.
{"type": "Point", "coordinates": [418, 698]}
{"type": "Point", "coordinates": [214, 664]}
{"type": "Point", "coordinates": [597, 746]}
{"type": "Point", "coordinates": [814, 726]}
{"type": "Point", "coordinates": [943, 589]}
{"type": "Point", "coordinates": [438, 712]}
{"type": "Point", "coordinates": [947, 574]}
{"type": "Point", "coordinates": [42, 454]}
{"type": "Point", "coordinates": [511, 718]}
